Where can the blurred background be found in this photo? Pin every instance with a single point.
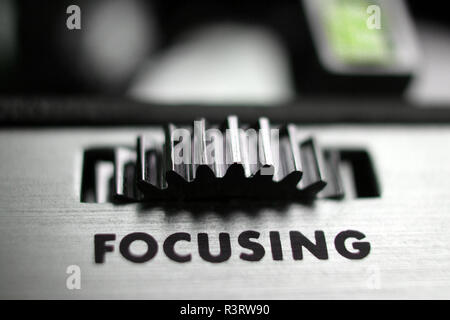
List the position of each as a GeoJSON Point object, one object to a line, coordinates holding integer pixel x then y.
{"type": "Point", "coordinates": [225, 52]}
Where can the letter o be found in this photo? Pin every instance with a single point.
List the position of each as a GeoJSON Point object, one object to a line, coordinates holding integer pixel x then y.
{"type": "Point", "coordinates": [152, 247]}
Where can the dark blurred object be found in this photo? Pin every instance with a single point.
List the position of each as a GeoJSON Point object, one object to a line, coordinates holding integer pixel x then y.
{"type": "Point", "coordinates": [114, 37]}
{"type": "Point", "coordinates": [178, 17]}
{"type": "Point", "coordinates": [8, 38]}
{"type": "Point", "coordinates": [426, 10]}
{"type": "Point", "coordinates": [117, 36]}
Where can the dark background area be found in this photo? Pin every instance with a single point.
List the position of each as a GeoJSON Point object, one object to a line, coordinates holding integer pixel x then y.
{"type": "Point", "coordinates": [44, 62]}
{"type": "Point", "coordinates": [48, 56]}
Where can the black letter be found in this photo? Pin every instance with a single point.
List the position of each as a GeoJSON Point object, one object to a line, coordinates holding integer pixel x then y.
{"type": "Point", "coordinates": [100, 248]}
{"type": "Point", "coordinates": [362, 247]}
{"type": "Point", "coordinates": [319, 250]}
{"type": "Point", "coordinates": [275, 242]}
{"type": "Point", "coordinates": [152, 247]}
{"type": "Point", "coordinates": [244, 241]}
{"type": "Point", "coordinates": [169, 245]}
{"type": "Point", "coordinates": [225, 247]}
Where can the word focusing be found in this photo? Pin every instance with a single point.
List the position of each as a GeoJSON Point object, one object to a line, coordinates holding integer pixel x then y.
{"type": "Point", "coordinates": [248, 246]}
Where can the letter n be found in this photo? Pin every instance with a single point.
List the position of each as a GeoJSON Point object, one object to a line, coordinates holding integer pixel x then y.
{"type": "Point", "coordinates": [318, 249]}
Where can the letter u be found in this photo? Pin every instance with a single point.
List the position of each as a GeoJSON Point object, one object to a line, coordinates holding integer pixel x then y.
{"type": "Point", "coordinates": [204, 250]}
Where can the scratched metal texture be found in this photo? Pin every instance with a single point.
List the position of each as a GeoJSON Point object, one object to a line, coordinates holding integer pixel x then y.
{"type": "Point", "coordinates": [44, 228]}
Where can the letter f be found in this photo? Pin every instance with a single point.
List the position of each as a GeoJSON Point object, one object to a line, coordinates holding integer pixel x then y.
{"type": "Point", "coordinates": [100, 246]}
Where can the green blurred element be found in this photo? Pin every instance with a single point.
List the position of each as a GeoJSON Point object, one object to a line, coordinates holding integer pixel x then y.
{"type": "Point", "coordinates": [351, 39]}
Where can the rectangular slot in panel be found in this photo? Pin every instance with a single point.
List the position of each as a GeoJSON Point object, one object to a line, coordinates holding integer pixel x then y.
{"type": "Point", "coordinates": [365, 182]}
{"type": "Point", "coordinates": [98, 164]}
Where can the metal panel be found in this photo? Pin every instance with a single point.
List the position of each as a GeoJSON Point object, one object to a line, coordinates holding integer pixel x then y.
{"type": "Point", "coordinates": [44, 227]}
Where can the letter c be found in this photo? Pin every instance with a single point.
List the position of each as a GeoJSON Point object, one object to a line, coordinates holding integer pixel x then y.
{"type": "Point", "coordinates": [169, 247]}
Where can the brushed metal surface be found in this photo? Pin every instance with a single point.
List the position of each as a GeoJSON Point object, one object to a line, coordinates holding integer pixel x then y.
{"type": "Point", "coordinates": [44, 228]}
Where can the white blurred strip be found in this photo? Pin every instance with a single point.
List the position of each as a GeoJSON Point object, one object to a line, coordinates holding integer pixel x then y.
{"type": "Point", "coordinates": [431, 84]}
{"type": "Point", "coordinates": [348, 179]}
{"type": "Point", "coordinates": [103, 173]}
